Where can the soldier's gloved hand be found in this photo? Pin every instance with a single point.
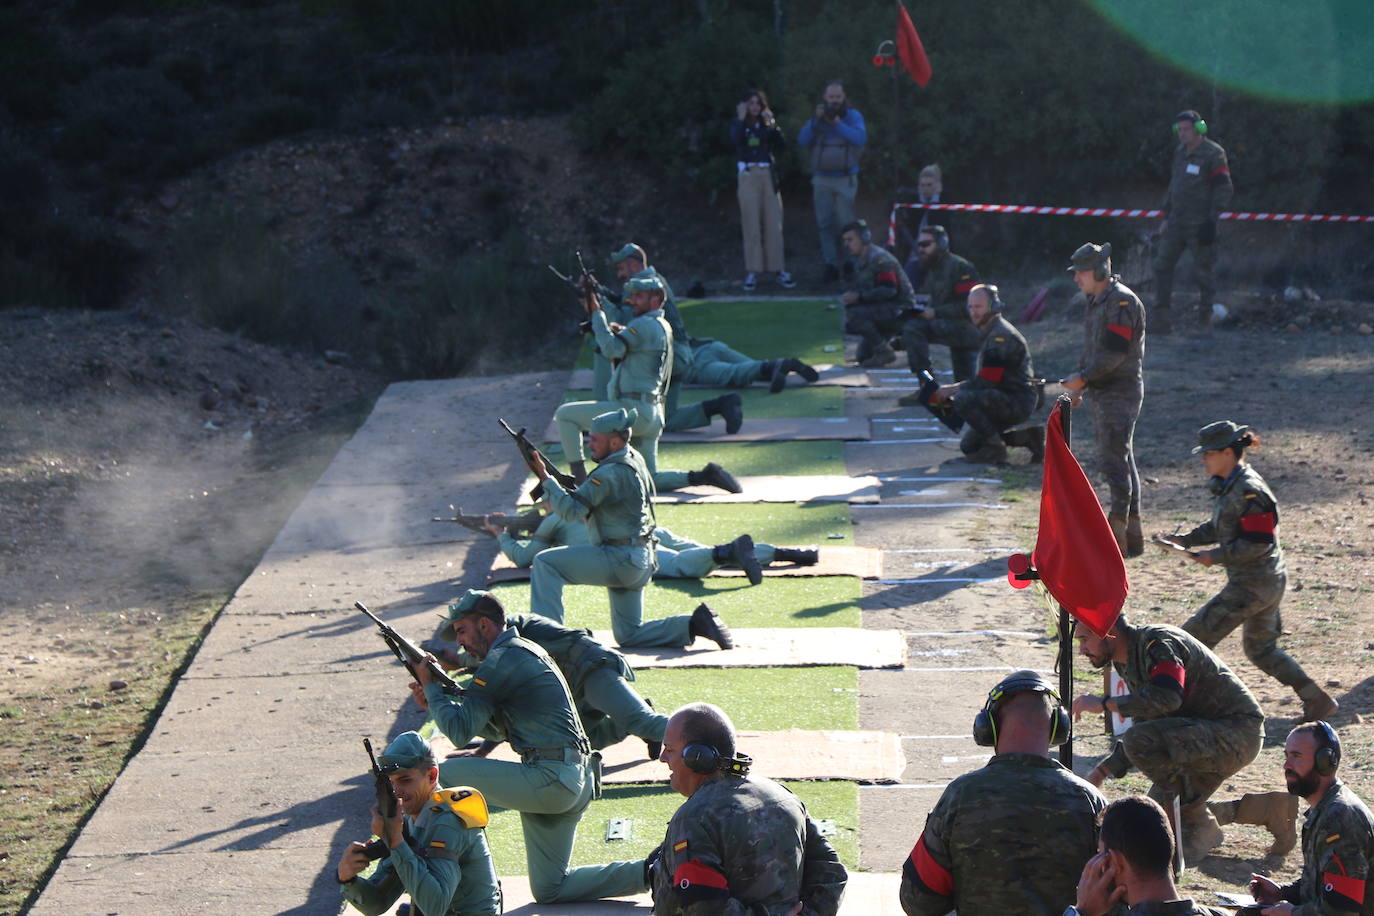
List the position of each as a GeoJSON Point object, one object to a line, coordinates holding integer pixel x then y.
{"type": "Point", "coordinates": [1207, 232]}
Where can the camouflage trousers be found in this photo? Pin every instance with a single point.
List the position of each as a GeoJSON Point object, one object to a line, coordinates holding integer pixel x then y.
{"type": "Point", "coordinates": [874, 323]}
{"type": "Point", "coordinates": [986, 412]}
{"type": "Point", "coordinates": [1253, 604]}
{"type": "Point", "coordinates": [1177, 238]}
{"type": "Point", "coordinates": [962, 339]}
{"type": "Point", "coordinates": [1191, 758]}
{"type": "Point", "coordinates": [1115, 411]}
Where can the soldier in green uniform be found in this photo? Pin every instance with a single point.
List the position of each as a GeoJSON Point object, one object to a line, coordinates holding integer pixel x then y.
{"type": "Point", "coordinates": [518, 691]}
{"type": "Point", "coordinates": [1135, 866]}
{"type": "Point", "coordinates": [598, 677]}
{"type": "Point", "coordinates": [616, 502]}
{"type": "Point", "coordinates": [881, 293]}
{"type": "Point", "coordinates": [1337, 834]}
{"type": "Point", "coordinates": [1110, 373]}
{"type": "Point", "coordinates": [739, 843]}
{"type": "Point", "coordinates": [1196, 725]}
{"type": "Point", "coordinates": [942, 318]}
{"type": "Point", "coordinates": [436, 850]}
{"type": "Point", "coordinates": [1000, 394]}
{"type": "Point", "coordinates": [1245, 528]}
{"type": "Point", "coordinates": [1199, 189]}
{"type": "Point", "coordinates": [642, 351]}
{"type": "Point", "coordinates": [1008, 838]}
{"type": "Point", "coordinates": [678, 557]}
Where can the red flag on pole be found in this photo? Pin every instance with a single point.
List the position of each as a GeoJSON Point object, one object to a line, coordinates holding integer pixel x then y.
{"type": "Point", "coordinates": [1076, 554]}
{"type": "Point", "coordinates": [910, 49]}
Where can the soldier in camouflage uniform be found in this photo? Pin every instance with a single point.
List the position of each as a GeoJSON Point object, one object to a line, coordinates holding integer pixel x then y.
{"type": "Point", "coordinates": [1110, 373]}
{"type": "Point", "coordinates": [882, 292]}
{"type": "Point", "coordinates": [436, 850]}
{"type": "Point", "coordinates": [1195, 725]}
{"type": "Point", "coordinates": [739, 843]}
{"type": "Point", "coordinates": [616, 502]}
{"type": "Point", "coordinates": [945, 283]}
{"type": "Point", "coordinates": [1000, 394]}
{"type": "Point", "coordinates": [1337, 834]}
{"type": "Point", "coordinates": [1011, 837]}
{"type": "Point", "coordinates": [1135, 866]}
{"type": "Point", "coordinates": [1245, 528]}
{"type": "Point", "coordinates": [643, 356]}
{"type": "Point", "coordinates": [1199, 189]}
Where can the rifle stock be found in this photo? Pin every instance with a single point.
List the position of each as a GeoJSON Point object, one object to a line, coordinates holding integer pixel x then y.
{"type": "Point", "coordinates": [409, 653]}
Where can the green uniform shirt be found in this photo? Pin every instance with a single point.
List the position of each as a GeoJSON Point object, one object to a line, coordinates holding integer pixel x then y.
{"type": "Point", "coordinates": [744, 846]}
{"type": "Point", "coordinates": [1004, 362]}
{"type": "Point", "coordinates": [1199, 185]}
{"type": "Point", "coordinates": [641, 352]}
{"type": "Point", "coordinates": [879, 278]}
{"type": "Point", "coordinates": [1113, 338]}
{"type": "Point", "coordinates": [1337, 853]}
{"type": "Point", "coordinates": [445, 867]}
{"type": "Point", "coordinates": [682, 343]}
{"type": "Point", "coordinates": [1170, 673]}
{"type": "Point", "coordinates": [615, 500]}
{"type": "Point", "coordinates": [1245, 526]}
{"type": "Point", "coordinates": [1009, 838]}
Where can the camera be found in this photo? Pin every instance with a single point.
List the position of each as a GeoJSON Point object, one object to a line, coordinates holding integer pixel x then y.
{"type": "Point", "coordinates": [833, 111]}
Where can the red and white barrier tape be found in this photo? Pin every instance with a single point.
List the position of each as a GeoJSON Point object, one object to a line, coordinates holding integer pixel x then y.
{"type": "Point", "coordinates": [1115, 211]}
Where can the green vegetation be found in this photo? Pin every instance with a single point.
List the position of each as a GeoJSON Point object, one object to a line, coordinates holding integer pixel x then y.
{"type": "Point", "coordinates": [761, 699]}
{"type": "Point", "coordinates": [783, 524]}
{"type": "Point", "coordinates": [798, 329]}
{"type": "Point", "coordinates": [758, 459]}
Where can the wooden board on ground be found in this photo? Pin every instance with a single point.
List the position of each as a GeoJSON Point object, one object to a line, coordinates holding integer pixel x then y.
{"type": "Point", "coordinates": [862, 756]}
{"type": "Point", "coordinates": [840, 376]}
{"type": "Point", "coordinates": [767, 429]}
{"type": "Point", "coordinates": [862, 562]}
{"type": "Point", "coordinates": [765, 647]}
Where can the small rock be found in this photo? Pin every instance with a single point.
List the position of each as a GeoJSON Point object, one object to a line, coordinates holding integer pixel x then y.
{"type": "Point", "coordinates": [1302, 321]}
{"type": "Point", "coordinates": [1293, 328]}
{"type": "Point", "coordinates": [95, 704]}
{"type": "Point", "coordinates": [169, 200]}
{"type": "Point", "coordinates": [168, 332]}
{"type": "Point", "coordinates": [335, 357]}
{"type": "Point", "coordinates": [119, 685]}
{"type": "Point", "coordinates": [209, 399]}
{"type": "Point", "coordinates": [1357, 719]}
{"type": "Point", "coordinates": [1285, 701]}
{"type": "Point", "coordinates": [1365, 329]}
{"type": "Point", "coordinates": [1337, 329]}
{"type": "Point", "coordinates": [1333, 683]}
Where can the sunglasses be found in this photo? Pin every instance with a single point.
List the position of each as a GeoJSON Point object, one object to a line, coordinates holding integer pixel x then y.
{"type": "Point", "coordinates": [925, 244]}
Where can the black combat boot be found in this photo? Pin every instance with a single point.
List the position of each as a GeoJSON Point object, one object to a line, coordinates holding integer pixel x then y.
{"type": "Point", "coordinates": [1031, 437]}
{"type": "Point", "coordinates": [707, 624]}
{"type": "Point", "coordinates": [739, 552]}
{"type": "Point", "coordinates": [801, 556]}
{"type": "Point", "coordinates": [655, 748]}
{"type": "Point", "coordinates": [713, 475]}
{"type": "Point", "coordinates": [785, 366]}
{"type": "Point", "coordinates": [729, 406]}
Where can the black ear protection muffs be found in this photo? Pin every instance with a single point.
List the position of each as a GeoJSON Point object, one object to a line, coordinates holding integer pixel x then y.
{"type": "Point", "coordinates": [985, 723]}
{"type": "Point", "coordinates": [995, 305]}
{"type": "Point", "coordinates": [705, 759]}
{"type": "Point", "coordinates": [1328, 755]}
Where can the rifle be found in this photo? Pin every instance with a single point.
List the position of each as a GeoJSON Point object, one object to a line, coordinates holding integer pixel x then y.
{"type": "Point", "coordinates": [1170, 545]}
{"type": "Point", "coordinates": [524, 523]}
{"type": "Point", "coordinates": [534, 460]}
{"type": "Point", "coordinates": [386, 804]}
{"type": "Point", "coordinates": [409, 653]}
{"type": "Point", "coordinates": [942, 412]}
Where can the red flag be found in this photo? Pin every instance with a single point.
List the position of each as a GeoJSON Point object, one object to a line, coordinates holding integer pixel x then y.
{"type": "Point", "coordinates": [909, 48]}
{"type": "Point", "coordinates": [1076, 553]}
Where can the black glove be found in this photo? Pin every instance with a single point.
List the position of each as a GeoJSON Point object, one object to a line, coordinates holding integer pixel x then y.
{"type": "Point", "coordinates": [650, 863]}
{"type": "Point", "coordinates": [1207, 232]}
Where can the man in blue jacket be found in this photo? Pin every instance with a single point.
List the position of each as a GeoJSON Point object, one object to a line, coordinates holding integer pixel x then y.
{"type": "Point", "coordinates": [836, 136]}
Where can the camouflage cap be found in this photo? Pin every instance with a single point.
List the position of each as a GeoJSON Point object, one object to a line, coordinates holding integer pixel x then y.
{"type": "Point", "coordinates": [1216, 436]}
{"type": "Point", "coordinates": [645, 281]}
{"type": "Point", "coordinates": [468, 604]}
{"type": "Point", "coordinates": [406, 751]}
{"type": "Point", "coordinates": [1092, 257]}
{"type": "Point", "coordinates": [631, 250]}
{"type": "Point", "coordinates": [615, 421]}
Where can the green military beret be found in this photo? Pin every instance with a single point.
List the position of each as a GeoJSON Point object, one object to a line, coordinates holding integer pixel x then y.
{"type": "Point", "coordinates": [631, 250]}
{"type": "Point", "coordinates": [645, 281]}
{"type": "Point", "coordinates": [1216, 436]}
{"type": "Point", "coordinates": [469, 604]}
{"type": "Point", "coordinates": [618, 420]}
{"type": "Point", "coordinates": [406, 751]}
{"type": "Point", "coordinates": [1092, 257]}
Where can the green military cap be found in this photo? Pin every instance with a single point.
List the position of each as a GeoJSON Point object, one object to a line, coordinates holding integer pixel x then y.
{"type": "Point", "coordinates": [1091, 257]}
{"type": "Point", "coordinates": [406, 751]}
{"type": "Point", "coordinates": [645, 281]}
{"type": "Point", "coordinates": [1216, 436]}
{"type": "Point", "coordinates": [615, 421]}
{"type": "Point", "coordinates": [468, 604]}
{"type": "Point", "coordinates": [631, 250]}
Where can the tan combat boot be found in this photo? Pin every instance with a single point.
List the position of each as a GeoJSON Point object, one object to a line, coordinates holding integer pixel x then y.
{"type": "Point", "coordinates": [1135, 537]}
{"type": "Point", "coordinates": [1118, 523]}
{"type": "Point", "coordinates": [1276, 812]}
{"type": "Point", "coordinates": [883, 355]}
{"type": "Point", "coordinates": [1201, 833]}
{"type": "Point", "coordinates": [1316, 703]}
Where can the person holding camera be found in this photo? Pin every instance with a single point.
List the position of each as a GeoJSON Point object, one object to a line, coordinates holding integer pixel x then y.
{"type": "Point", "coordinates": [755, 135]}
{"type": "Point", "coordinates": [836, 136]}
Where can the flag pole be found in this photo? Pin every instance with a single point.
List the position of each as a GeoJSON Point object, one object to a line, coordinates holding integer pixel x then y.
{"type": "Point", "coordinates": [1065, 662]}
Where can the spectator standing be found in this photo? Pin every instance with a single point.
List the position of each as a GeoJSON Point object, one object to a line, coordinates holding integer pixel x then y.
{"type": "Point", "coordinates": [836, 136]}
{"type": "Point", "coordinates": [929, 188]}
{"type": "Point", "coordinates": [755, 135]}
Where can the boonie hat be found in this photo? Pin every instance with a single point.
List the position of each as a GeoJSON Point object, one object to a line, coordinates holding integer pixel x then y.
{"type": "Point", "coordinates": [1216, 436]}
{"type": "Point", "coordinates": [1091, 257]}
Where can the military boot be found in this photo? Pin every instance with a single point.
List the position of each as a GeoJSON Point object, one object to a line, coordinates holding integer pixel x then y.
{"type": "Point", "coordinates": [739, 552]}
{"type": "Point", "coordinates": [988, 453]}
{"type": "Point", "coordinates": [1276, 812]}
{"type": "Point", "coordinates": [802, 557]}
{"type": "Point", "coordinates": [883, 355]}
{"type": "Point", "coordinates": [1201, 832]}
{"type": "Point", "coordinates": [784, 366]}
{"type": "Point", "coordinates": [579, 470]}
{"type": "Point", "coordinates": [655, 748]}
{"type": "Point", "coordinates": [1118, 523]}
{"type": "Point", "coordinates": [729, 406]}
{"type": "Point", "coordinates": [1031, 437]}
{"type": "Point", "coordinates": [1135, 537]}
{"type": "Point", "coordinates": [707, 624]}
{"type": "Point", "coordinates": [713, 475]}
{"type": "Point", "coordinates": [1316, 703]}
